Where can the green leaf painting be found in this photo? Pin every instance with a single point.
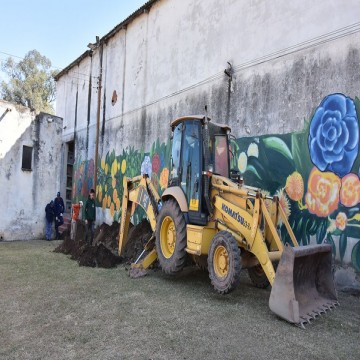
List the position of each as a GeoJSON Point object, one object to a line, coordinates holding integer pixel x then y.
{"type": "Point", "coordinates": [278, 145]}
{"type": "Point", "coordinates": [342, 245]}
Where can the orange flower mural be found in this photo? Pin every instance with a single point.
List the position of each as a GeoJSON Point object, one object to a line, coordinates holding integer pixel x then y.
{"type": "Point", "coordinates": [104, 201]}
{"type": "Point", "coordinates": [115, 196]}
{"type": "Point", "coordinates": [164, 176]}
{"type": "Point", "coordinates": [322, 197]}
{"type": "Point", "coordinates": [350, 190]}
{"type": "Point", "coordinates": [295, 186]}
{"type": "Point", "coordinates": [112, 209]}
{"type": "Point", "coordinates": [341, 221]}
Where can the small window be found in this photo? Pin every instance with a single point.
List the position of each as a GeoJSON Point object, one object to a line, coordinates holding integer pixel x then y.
{"type": "Point", "coordinates": [26, 158]}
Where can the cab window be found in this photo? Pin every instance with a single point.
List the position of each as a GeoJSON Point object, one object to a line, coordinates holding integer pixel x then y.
{"type": "Point", "coordinates": [175, 152]}
{"type": "Point", "coordinates": [221, 155]}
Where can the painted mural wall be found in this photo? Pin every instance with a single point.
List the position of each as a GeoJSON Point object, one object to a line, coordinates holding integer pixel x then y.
{"type": "Point", "coordinates": [315, 173]}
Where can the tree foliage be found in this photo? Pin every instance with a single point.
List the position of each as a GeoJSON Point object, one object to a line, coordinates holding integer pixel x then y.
{"type": "Point", "coordinates": [31, 82]}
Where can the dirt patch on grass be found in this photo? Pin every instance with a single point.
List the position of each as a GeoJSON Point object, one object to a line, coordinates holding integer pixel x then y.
{"type": "Point", "coordinates": [104, 252]}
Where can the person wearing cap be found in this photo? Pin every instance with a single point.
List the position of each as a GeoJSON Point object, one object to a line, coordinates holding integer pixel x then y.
{"type": "Point", "coordinates": [49, 216]}
{"type": "Point", "coordinates": [74, 219]}
{"type": "Point", "coordinates": [59, 210]}
{"type": "Point", "coordinates": [90, 217]}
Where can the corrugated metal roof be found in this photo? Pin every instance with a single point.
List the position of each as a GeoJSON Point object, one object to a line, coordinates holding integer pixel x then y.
{"type": "Point", "coordinates": [145, 8]}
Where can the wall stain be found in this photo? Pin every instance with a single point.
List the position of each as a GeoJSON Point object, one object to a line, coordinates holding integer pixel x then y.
{"type": "Point", "coordinates": [89, 106]}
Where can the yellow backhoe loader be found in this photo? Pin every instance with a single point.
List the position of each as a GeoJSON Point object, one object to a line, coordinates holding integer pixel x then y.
{"type": "Point", "coordinates": [208, 213]}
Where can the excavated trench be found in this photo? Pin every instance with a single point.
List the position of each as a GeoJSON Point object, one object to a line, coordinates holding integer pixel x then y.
{"type": "Point", "coordinates": [104, 252]}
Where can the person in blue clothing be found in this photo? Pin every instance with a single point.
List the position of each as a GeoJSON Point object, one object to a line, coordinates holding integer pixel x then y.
{"type": "Point", "coordinates": [59, 210]}
{"type": "Point", "coordinates": [49, 215]}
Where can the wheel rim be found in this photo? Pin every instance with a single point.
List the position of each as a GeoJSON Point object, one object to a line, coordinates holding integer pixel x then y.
{"type": "Point", "coordinates": [221, 261]}
{"type": "Point", "coordinates": [167, 237]}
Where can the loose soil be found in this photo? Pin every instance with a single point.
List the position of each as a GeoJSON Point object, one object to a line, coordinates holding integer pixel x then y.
{"type": "Point", "coordinates": [104, 252]}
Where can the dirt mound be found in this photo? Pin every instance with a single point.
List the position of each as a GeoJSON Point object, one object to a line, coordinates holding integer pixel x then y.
{"type": "Point", "coordinates": [138, 236]}
{"type": "Point", "coordinates": [104, 252]}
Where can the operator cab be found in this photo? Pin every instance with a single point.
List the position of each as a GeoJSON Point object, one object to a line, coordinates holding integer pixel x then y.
{"type": "Point", "coordinates": [189, 158]}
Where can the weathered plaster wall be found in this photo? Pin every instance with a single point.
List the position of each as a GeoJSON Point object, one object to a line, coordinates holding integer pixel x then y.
{"type": "Point", "coordinates": [25, 193]}
{"type": "Point", "coordinates": [286, 57]}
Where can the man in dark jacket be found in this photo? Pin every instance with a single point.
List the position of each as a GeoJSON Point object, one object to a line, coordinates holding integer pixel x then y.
{"type": "Point", "coordinates": [50, 214]}
{"type": "Point", "coordinates": [90, 217]}
{"type": "Point", "coordinates": [59, 210]}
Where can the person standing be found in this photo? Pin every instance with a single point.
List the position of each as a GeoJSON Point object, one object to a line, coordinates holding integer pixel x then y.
{"type": "Point", "coordinates": [90, 217]}
{"type": "Point", "coordinates": [74, 219]}
{"type": "Point", "coordinates": [59, 210]}
{"type": "Point", "coordinates": [49, 215]}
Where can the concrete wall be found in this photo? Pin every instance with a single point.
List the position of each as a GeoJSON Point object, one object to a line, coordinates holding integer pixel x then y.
{"type": "Point", "coordinates": [285, 57]}
{"type": "Point", "coordinates": [171, 61]}
{"type": "Point", "coordinates": [25, 193]}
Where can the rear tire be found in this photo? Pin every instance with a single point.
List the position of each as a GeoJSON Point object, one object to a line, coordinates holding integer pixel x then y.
{"type": "Point", "coordinates": [200, 262]}
{"type": "Point", "coordinates": [224, 262]}
{"type": "Point", "coordinates": [258, 277]}
{"type": "Point", "coordinates": [171, 238]}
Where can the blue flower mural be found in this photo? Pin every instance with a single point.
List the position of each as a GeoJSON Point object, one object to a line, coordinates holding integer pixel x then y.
{"type": "Point", "coordinates": [334, 135]}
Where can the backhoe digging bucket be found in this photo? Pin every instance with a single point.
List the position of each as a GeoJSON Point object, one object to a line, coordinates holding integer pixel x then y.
{"type": "Point", "coordinates": [303, 288]}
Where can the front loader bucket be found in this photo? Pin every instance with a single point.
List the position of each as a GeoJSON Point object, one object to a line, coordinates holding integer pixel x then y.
{"type": "Point", "coordinates": [303, 288]}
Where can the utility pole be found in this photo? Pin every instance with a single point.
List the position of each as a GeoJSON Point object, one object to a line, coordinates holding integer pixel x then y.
{"type": "Point", "coordinates": [98, 115]}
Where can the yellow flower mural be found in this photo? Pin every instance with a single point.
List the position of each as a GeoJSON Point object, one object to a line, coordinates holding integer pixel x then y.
{"type": "Point", "coordinates": [242, 162]}
{"type": "Point", "coordinates": [253, 150]}
{"type": "Point", "coordinates": [114, 168]}
{"type": "Point", "coordinates": [99, 192]}
{"type": "Point", "coordinates": [123, 166]}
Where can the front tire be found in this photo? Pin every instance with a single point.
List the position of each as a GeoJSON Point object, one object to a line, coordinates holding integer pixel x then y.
{"type": "Point", "coordinates": [171, 238]}
{"type": "Point", "coordinates": [224, 262]}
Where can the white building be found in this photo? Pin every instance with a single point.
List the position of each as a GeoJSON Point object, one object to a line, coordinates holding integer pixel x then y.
{"type": "Point", "coordinates": [30, 170]}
